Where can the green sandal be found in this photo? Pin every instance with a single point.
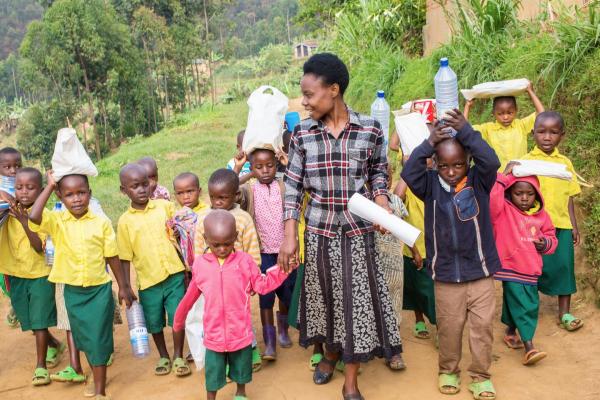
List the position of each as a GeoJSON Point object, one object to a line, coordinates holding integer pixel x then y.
{"type": "Point", "coordinates": [163, 367]}
{"type": "Point", "coordinates": [54, 355]}
{"type": "Point", "coordinates": [477, 388]}
{"type": "Point", "coordinates": [237, 397]}
{"type": "Point", "coordinates": [181, 367]}
{"type": "Point", "coordinates": [315, 359]}
{"type": "Point", "coordinates": [11, 319]}
{"type": "Point", "coordinates": [567, 320]}
{"type": "Point", "coordinates": [341, 367]}
{"type": "Point", "coordinates": [449, 383]}
{"type": "Point", "coordinates": [420, 331]}
{"type": "Point", "coordinates": [68, 375]}
{"type": "Point", "coordinates": [256, 360]}
{"type": "Point", "coordinates": [40, 377]}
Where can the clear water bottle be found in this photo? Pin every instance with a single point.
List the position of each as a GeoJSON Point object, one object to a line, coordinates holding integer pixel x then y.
{"type": "Point", "coordinates": [380, 110]}
{"type": "Point", "coordinates": [57, 206]}
{"type": "Point", "coordinates": [7, 184]}
{"type": "Point", "coordinates": [446, 91]}
{"type": "Point", "coordinates": [138, 334]}
{"type": "Point", "coordinates": [49, 252]}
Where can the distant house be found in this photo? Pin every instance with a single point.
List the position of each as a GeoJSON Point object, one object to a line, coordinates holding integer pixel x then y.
{"type": "Point", "coordinates": [305, 49]}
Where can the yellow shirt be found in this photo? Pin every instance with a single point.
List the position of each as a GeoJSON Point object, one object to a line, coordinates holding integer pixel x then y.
{"type": "Point", "coordinates": [82, 246]}
{"type": "Point", "coordinates": [247, 239]}
{"type": "Point", "coordinates": [18, 257]}
{"type": "Point", "coordinates": [416, 217]}
{"type": "Point", "coordinates": [556, 192]}
{"type": "Point", "coordinates": [302, 229]}
{"type": "Point", "coordinates": [510, 143]}
{"type": "Point", "coordinates": [201, 206]}
{"type": "Point", "coordinates": [143, 240]}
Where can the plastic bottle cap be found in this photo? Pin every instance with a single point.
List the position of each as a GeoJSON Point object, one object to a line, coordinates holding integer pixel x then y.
{"type": "Point", "coordinates": [444, 62]}
{"type": "Point", "coordinates": [381, 94]}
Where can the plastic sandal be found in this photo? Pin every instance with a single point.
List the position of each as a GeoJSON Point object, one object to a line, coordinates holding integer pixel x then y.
{"type": "Point", "coordinates": [566, 322]}
{"type": "Point", "coordinates": [513, 342]}
{"type": "Point", "coordinates": [181, 367]}
{"type": "Point", "coordinates": [163, 367]}
{"type": "Point", "coordinates": [54, 355]}
{"type": "Point", "coordinates": [533, 356]}
{"type": "Point", "coordinates": [256, 360]}
{"type": "Point", "coordinates": [40, 377]}
{"type": "Point", "coordinates": [352, 396]}
{"type": "Point", "coordinates": [68, 375]}
{"type": "Point", "coordinates": [238, 397]}
{"type": "Point", "coordinates": [396, 363]}
{"type": "Point", "coordinates": [111, 359]}
{"type": "Point", "coordinates": [315, 359]}
{"type": "Point", "coordinates": [449, 383]}
{"type": "Point", "coordinates": [420, 330]}
{"type": "Point", "coordinates": [90, 389]}
{"type": "Point", "coordinates": [477, 388]}
{"type": "Point", "coordinates": [11, 319]}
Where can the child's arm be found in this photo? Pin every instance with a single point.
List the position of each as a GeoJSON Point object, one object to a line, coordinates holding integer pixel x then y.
{"type": "Point", "coordinates": [468, 106]}
{"type": "Point", "coordinates": [394, 143]}
{"type": "Point", "coordinates": [19, 212]}
{"type": "Point", "coordinates": [537, 103]}
{"type": "Point", "coordinates": [267, 282]}
{"type": "Point", "coordinates": [125, 292]}
{"type": "Point", "coordinates": [184, 307]}
{"type": "Point", "coordinates": [573, 218]}
{"type": "Point", "coordinates": [417, 258]}
{"type": "Point", "coordinates": [37, 210]}
{"type": "Point", "coordinates": [400, 189]}
{"type": "Point", "coordinates": [126, 267]}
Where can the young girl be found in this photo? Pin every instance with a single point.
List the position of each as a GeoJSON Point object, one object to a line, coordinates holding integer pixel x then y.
{"type": "Point", "coordinates": [227, 279]}
{"type": "Point", "coordinates": [523, 232]}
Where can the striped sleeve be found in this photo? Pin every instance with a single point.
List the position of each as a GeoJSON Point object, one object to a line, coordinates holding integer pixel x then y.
{"type": "Point", "coordinates": [250, 242]}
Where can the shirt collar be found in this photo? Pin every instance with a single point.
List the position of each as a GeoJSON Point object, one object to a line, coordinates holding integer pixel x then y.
{"type": "Point", "coordinates": [201, 206]}
{"type": "Point", "coordinates": [67, 216]}
{"type": "Point", "coordinates": [502, 127]}
{"type": "Point", "coordinates": [537, 151]}
{"type": "Point", "coordinates": [149, 206]}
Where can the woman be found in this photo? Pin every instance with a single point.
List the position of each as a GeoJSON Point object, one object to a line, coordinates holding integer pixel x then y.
{"type": "Point", "coordinates": [344, 299]}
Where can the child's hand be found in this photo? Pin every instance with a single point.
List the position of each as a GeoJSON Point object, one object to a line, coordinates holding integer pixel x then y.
{"type": "Point", "coordinates": [417, 257]}
{"type": "Point", "coordinates": [455, 119]}
{"type": "Point", "coordinates": [239, 161]}
{"type": "Point", "coordinates": [438, 134]}
{"type": "Point", "coordinates": [50, 178]}
{"type": "Point", "coordinates": [470, 103]}
{"type": "Point", "coordinates": [126, 295]}
{"type": "Point", "coordinates": [509, 167]}
{"type": "Point", "coordinates": [529, 87]}
{"type": "Point", "coordinates": [539, 244]}
{"type": "Point", "coordinates": [282, 158]}
{"type": "Point", "coordinates": [576, 237]}
{"type": "Point", "coordinates": [6, 197]}
{"type": "Point", "coordinates": [20, 213]}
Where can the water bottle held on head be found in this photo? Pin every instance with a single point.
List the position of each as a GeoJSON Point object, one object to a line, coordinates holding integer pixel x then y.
{"type": "Point", "coordinates": [138, 334]}
{"type": "Point", "coordinates": [446, 91]}
{"type": "Point", "coordinates": [380, 111]}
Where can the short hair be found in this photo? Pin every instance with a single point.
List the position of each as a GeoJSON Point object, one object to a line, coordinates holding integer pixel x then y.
{"type": "Point", "coordinates": [255, 151]}
{"type": "Point", "coordinates": [5, 151]}
{"type": "Point", "coordinates": [32, 171]}
{"type": "Point", "coordinates": [240, 136]}
{"type": "Point", "coordinates": [148, 161]}
{"type": "Point", "coordinates": [186, 175]}
{"type": "Point", "coordinates": [504, 99]}
{"type": "Point", "coordinates": [225, 177]}
{"type": "Point", "coordinates": [329, 68]}
{"type": "Point", "coordinates": [550, 115]}
{"type": "Point", "coordinates": [447, 141]}
{"type": "Point", "coordinates": [125, 169]}
{"type": "Point", "coordinates": [84, 177]}
{"type": "Point", "coordinates": [219, 220]}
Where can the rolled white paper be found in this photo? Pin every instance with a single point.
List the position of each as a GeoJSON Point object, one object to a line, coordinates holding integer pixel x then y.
{"type": "Point", "coordinates": [368, 210]}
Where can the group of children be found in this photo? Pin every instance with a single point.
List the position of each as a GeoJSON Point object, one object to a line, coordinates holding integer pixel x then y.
{"type": "Point", "coordinates": [479, 225]}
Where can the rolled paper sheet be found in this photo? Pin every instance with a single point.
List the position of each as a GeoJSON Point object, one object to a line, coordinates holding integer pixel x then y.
{"type": "Point", "coordinates": [368, 210]}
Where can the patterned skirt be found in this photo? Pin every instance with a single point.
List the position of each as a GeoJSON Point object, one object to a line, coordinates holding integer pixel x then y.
{"type": "Point", "coordinates": [345, 301]}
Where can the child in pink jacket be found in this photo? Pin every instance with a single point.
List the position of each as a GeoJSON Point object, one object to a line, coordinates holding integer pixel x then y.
{"type": "Point", "coordinates": [227, 278]}
{"type": "Point", "coordinates": [523, 232]}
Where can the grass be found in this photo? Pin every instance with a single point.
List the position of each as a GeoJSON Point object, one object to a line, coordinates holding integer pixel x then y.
{"type": "Point", "coordinates": [203, 141]}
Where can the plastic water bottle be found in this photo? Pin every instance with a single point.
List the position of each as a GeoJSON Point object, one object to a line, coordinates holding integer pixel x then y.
{"type": "Point", "coordinates": [49, 252]}
{"type": "Point", "coordinates": [138, 334]}
{"type": "Point", "coordinates": [380, 110]}
{"type": "Point", "coordinates": [446, 91]}
{"type": "Point", "coordinates": [7, 184]}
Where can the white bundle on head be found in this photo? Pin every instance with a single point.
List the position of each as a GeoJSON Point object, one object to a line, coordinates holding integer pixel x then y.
{"type": "Point", "coordinates": [267, 108]}
{"type": "Point", "coordinates": [70, 157]}
{"type": "Point", "coordinates": [513, 87]}
{"type": "Point", "coordinates": [541, 168]}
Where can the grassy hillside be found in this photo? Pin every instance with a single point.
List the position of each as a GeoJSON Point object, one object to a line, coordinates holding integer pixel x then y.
{"type": "Point", "coordinates": [200, 142]}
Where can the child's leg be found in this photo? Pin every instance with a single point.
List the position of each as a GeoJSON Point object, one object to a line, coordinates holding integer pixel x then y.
{"type": "Point", "coordinates": [174, 290]}
{"type": "Point", "coordinates": [74, 357]}
{"type": "Point", "coordinates": [241, 390]}
{"type": "Point", "coordinates": [240, 368]}
{"type": "Point", "coordinates": [214, 372]}
{"type": "Point", "coordinates": [161, 345]}
{"type": "Point", "coordinates": [451, 310]}
{"type": "Point", "coordinates": [41, 346]}
{"type": "Point", "coordinates": [285, 293]}
{"type": "Point", "coordinates": [564, 305]}
{"type": "Point", "coordinates": [267, 302]}
{"type": "Point", "coordinates": [99, 373]}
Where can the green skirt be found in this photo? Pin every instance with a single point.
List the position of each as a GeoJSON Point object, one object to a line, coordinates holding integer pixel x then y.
{"type": "Point", "coordinates": [520, 306]}
{"type": "Point", "coordinates": [91, 311]}
{"type": "Point", "coordinates": [558, 273]}
{"type": "Point", "coordinates": [295, 302]}
{"type": "Point", "coordinates": [33, 302]}
{"type": "Point", "coordinates": [418, 290]}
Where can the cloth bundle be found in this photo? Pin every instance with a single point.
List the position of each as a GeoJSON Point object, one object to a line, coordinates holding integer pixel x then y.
{"type": "Point", "coordinates": [70, 157]}
{"type": "Point", "coordinates": [182, 230]}
{"type": "Point", "coordinates": [488, 90]}
{"type": "Point", "coordinates": [541, 168]}
{"type": "Point", "coordinates": [412, 130]}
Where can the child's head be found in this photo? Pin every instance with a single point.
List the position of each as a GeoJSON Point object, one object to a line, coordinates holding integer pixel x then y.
{"type": "Point", "coordinates": [264, 165]}
{"type": "Point", "coordinates": [548, 130]}
{"type": "Point", "coordinates": [220, 232]}
{"type": "Point", "coordinates": [28, 186]}
{"type": "Point", "coordinates": [135, 184]}
{"type": "Point", "coordinates": [223, 186]}
{"type": "Point", "coordinates": [240, 139]}
{"type": "Point", "coordinates": [75, 193]}
{"type": "Point", "coordinates": [505, 110]}
{"type": "Point", "coordinates": [187, 189]}
{"type": "Point", "coordinates": [151, 168]}
{"type": "Point", "coordinates": [523, 195]}
{"type": "Point", "coordinates": [10, 161]}
{"type": "Point", "coordinates": [452, 161]}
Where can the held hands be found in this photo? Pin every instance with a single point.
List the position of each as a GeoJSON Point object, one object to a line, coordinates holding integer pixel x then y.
{"type": "Point", "coordinates": [510, 166]}
{"type": "Point", "coordinates": [126, 295]}
{"type": "Point", "coordinates": [288, 254]}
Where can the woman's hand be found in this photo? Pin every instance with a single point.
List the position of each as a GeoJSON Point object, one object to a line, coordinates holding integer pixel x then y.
{"type": "Point", "coordinates": [382, 201]}
{"type": "Point", "coordinates": [288, 253]}
{"type": "Point", "coordinates": [282, 158]}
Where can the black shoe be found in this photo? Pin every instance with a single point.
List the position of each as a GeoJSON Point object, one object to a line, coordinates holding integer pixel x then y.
{"type": "Point", "coordinates": [320, 377]}
{"type": "Point", "coordinates": [353, 396]}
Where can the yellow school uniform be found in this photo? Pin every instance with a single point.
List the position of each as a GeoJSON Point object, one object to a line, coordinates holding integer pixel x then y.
{"type": "Point", "coordinates": [247, 239]}
{"type": "Point", "coordinates": [416, 217]}
{"type": "Point", "coordinates": [82, 245]}
{"type": "Point", "coordinates": [201, 206]}
{"type": "Point", "coordinates": [19, 259]}
{"type": "Point", "coordinates": [510, 143]}
{"type": "Point", "coordinates": [556, 192]}
{"type": "Point", "coordinates": [143, 240]}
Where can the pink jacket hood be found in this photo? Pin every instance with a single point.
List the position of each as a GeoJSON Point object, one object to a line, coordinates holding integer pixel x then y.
{"type": "Point", "coordinates": [515, 231]}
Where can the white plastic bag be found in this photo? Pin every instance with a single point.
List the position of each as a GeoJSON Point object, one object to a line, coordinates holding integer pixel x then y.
{"type": "Point", "coordinates": [70, 157]}
{"type": "Point", "coordinates": [194, 330]}
{"type": "Point", "coordinates": [267, 108]}
{"type": "Point", "coordinates": [412, 130]}
{"type": "Point", "coordinates": [487, 90]}
{"type": "Point", "coordinates": [541, 168]}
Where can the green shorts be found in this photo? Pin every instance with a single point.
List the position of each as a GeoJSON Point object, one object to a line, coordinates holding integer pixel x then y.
{"type": "Point", "coordinates": [33, 302]}
{"type": "Point", "coordinates": [240, 368]}
{"type": "Point", "coordinates": [558, 273]}
{"type": "Point", "coordinates": [91, 310]}
{"type": "Point", "coordinates": [418, 290]}
{"type": "Point", "coordinates": [164, 297]}
{"type": "Point", "coordinates": [520, 308]}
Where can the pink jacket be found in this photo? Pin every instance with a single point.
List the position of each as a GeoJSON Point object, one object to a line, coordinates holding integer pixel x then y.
{"type": "Point", "coordinates": [515, 232]}
{"type": "Point", "coordinates": [227, 289]}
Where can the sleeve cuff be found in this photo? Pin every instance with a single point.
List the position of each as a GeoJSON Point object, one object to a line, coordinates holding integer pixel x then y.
{"type": "Point", "coordinates": [291, 214]}
{"type": "Point", "coordinates": [34, 227]}
{"type": "Point", "coordinates": [380, 192]}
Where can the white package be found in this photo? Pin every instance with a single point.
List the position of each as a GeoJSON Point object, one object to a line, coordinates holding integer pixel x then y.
{"type": "Point", "coordinates": [366, 209]}
{"type": "Point", "coordinates": [194, 332]}
{"type": "Point", "coordinates": [70, 157]}
{"type": "Point", "coordinates": [541, 168]}
{"type": "Point", "coordinates": [513, 87]}
{"type": "Point", "coordinates": [412, 130]}
{"type": "Point", "coordinates": [267, 108]}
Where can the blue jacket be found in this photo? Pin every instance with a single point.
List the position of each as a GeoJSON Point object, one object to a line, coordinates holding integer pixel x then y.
{"type": "Point", "coordinates": [459, 236]}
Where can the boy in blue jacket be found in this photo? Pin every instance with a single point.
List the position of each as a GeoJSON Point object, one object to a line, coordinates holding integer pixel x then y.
{"type": "Point", "coordinates": [461, 252]}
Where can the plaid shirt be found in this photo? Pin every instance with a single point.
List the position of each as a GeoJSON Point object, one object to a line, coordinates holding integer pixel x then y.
{"type": "Point", "coordinates": [331, 170]}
